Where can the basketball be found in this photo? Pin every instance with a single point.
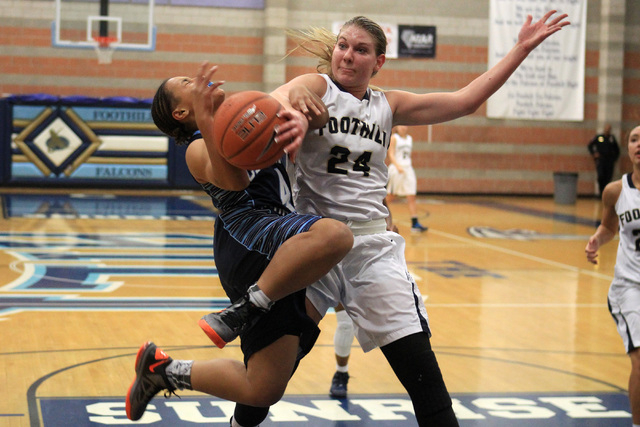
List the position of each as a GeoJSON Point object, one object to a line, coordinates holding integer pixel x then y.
{"type": "Point", "coordinates": [244, 130]}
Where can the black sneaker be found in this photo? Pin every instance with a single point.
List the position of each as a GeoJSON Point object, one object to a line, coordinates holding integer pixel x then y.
{"type": "Point", "coordinates": [225, 326]}
{"type": "Point", "coordinates": [150, 379]}
{"type": "Point", "coordinates": [339, 385]}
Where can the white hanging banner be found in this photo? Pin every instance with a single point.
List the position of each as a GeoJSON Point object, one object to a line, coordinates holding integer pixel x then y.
{"type": "Point", "coordinates": [549, 84]}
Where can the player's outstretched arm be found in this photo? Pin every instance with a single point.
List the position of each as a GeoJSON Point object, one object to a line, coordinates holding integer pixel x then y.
{"type": "Point", "coordinates": [423, 109]}
{"type": "Point", "coordinates": [203, 159]}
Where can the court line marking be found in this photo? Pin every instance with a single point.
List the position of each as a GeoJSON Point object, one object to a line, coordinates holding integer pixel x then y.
{"type": "Point", "coordinates": [523, 255]}
{"type": "Point", "coordinates": [521, 305]}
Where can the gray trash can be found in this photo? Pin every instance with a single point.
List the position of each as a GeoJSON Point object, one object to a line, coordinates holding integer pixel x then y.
{"type": "Point", "coordinates": [565, 187]}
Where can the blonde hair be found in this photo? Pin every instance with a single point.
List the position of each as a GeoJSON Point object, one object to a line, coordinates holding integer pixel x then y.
{"type": "Point", "coordinates": [320, 42]}
{"type": "Point", "coordinates": [317, 41]}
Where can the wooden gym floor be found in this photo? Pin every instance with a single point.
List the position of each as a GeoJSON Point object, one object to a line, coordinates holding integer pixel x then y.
{"type": "Point", "coordinates": [519, 318]}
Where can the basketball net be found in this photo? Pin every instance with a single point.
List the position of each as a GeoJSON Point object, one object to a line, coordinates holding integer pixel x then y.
{"type": "Point", "coordinates": [104, 48]}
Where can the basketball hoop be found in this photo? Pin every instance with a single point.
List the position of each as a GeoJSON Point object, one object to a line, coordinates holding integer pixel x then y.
{"type": "Point", "coordinates": [104, 48]}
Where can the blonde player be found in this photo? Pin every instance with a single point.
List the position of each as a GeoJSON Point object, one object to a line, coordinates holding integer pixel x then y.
{"type": "Point", "coordinates": [621, 213]}
{"type": "Point", "coordinates": [341, 174]}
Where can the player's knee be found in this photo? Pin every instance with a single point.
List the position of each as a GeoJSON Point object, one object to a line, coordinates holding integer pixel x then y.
{"type": "Point", "coordinates": [343, 238]}
{"type": "Point", "coordinates": [264, 397]}
{"type": "Point", "coordinates": [338, 237]}
{"type": "Point", "coordinates": [267, 399]}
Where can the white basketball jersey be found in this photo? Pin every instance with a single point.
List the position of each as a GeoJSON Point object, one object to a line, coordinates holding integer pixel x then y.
{"type": "Point", "coordinates": [628, 210]}
{"type": "Point", "coordinates": [403, 150]}
{"type": "Point", "coordinates": [340, 170]}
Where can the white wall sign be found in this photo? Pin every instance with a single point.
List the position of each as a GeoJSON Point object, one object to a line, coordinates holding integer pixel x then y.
{"type": "Point", "coordinates": [549, 84]}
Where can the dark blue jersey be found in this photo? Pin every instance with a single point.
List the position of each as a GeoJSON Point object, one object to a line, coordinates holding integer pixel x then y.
{"type": "Point", "coordinates": [257, 220]}
{"type": "Point", "coordinates": [270, 189]}
{"type": "Point", "coordinates": [251, 225]}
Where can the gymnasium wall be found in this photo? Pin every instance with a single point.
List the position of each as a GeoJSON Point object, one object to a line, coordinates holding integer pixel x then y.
{"type": "Point", "coordinates": [472, 155]}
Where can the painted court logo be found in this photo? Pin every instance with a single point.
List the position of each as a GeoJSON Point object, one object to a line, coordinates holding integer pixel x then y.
{"type": "Point", "coordinates": [376, 411]}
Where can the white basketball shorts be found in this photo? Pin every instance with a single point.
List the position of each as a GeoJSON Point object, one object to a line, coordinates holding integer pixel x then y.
{"type": "Point", "coordinates": [624, 305]}
{"type": "Point", "coordinates": [402, 184]}
{"type": "Point", "coordinates": [376, 289]}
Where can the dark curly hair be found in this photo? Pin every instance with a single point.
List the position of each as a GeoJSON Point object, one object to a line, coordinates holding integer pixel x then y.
{"type": "Point", "coordinates": [162, 113]}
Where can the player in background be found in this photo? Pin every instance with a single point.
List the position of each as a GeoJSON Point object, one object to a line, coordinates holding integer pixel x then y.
{"type": "Point", "coordinates": [402, 176]}
{"type": "Point", "coordinates": [621, 215]}
{"type": "Point", "coordinates": [342, 340]}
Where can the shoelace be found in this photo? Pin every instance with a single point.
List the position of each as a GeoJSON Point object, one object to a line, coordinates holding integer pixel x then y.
{"type": "Point", "coordinates": [168, 393]}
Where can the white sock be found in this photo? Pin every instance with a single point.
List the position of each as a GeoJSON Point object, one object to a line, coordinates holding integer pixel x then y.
{"type": "Point", "coordinates": [259, 298]}
{"type": "Point", "coordinates": [343, 369]}
{"type": "Point", "coordinates": [179, 374]}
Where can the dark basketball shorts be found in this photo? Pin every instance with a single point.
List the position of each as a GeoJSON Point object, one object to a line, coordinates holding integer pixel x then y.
{"type": "Point", "coordinates": [244, 244]}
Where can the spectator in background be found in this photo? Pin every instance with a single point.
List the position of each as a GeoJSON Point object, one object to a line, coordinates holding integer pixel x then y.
{"type": "Point", "coordinates": [605, 151]}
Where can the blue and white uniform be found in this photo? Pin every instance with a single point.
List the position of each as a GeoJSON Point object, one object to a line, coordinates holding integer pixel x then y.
{"type": "Point", "coordinates": [340, 173]}
{"type": "Point", "coordinates": [624, 293]}
{"type": "Point", "coordinates": [250, 227]}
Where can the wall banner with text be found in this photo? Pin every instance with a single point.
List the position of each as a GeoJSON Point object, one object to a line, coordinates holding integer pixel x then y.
{"type": "Point", "coordinates": [549, 84]}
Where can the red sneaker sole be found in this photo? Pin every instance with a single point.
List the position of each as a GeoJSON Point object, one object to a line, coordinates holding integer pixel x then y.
{"type": "Point", "coordinates": [141, 350]}
{"type": "Point", "coordinates": [213, 336]}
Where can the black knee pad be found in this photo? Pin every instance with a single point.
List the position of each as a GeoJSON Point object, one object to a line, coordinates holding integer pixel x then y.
{"type": "Point", "coordinates": [249, 416]}
{"type": "Point", "coordinates": [415, 365]}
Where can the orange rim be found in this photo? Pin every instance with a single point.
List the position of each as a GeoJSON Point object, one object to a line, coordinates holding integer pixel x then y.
{"type": "Point", "coordinates": [105, 41]}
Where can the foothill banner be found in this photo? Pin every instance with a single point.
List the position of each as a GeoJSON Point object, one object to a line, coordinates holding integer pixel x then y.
{"type": "Point", "coordinates": [549, 84]}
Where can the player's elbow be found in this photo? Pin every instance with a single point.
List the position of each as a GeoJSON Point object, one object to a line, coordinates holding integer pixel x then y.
{"type": "Point", "coordinates": [470, 107]}
{"type": "Point", "coordinates": [466, 101]}
{"type": "Point", "coordinates": [231, 182]}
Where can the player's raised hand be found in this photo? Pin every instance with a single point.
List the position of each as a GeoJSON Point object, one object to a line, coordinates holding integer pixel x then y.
{"type": "Point", "coordinates": [531, 35]}
{"type": "Point", "coordinates": [208, 95]}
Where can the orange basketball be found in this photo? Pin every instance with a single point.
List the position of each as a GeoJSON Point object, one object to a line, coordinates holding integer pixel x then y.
{"type": "Point", "coordinates": [244, 130]}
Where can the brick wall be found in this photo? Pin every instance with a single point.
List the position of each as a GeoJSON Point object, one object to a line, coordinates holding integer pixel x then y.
{"type": "Point", "coordinates": [473, 155]}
